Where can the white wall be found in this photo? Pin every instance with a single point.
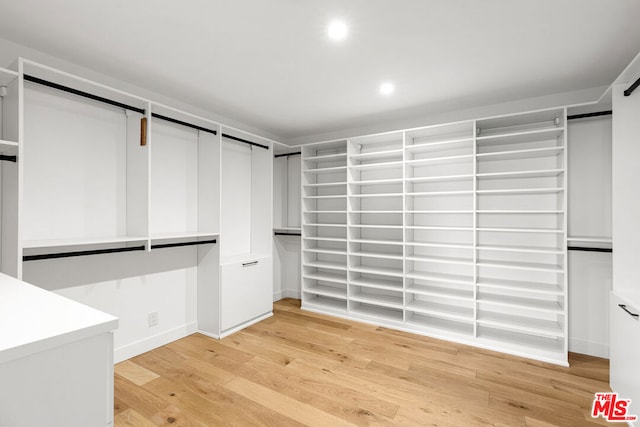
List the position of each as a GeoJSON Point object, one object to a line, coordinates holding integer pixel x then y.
{"type": "Point", "coordinates": [589, 210]}
{"type": "Point", "coordinates": [129, 286]}
{"type": "Point", "coordinates": [286, 267]}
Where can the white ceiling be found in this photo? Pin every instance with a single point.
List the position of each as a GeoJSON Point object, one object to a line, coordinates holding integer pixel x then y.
{"type": "Point", "coordinates": [268, 63]}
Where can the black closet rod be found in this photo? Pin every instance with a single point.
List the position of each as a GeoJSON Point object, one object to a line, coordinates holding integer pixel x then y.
{"type": "Point", "coordinates": [174, 245]}
{"type": "Point", "coordinates": [297, 153]}
{"type": "Point", "coordinates": [586, 115]}
{"type": "Point", "coordinates": [633, 87]}
{"type": "Point", "coordinates": [587, 249]}
{"type": "Point", "coordinates": [82, 93]}
{"type": "Point", "coordinates": [235, 138]}
{"type": "Point", "coordinates": [278, 233]}
{"type": "Point", "coordinates": [13, 159]}
{"type": "Point", "coordinates": [81, 253]}
{"type": "Point", "coordinates": [180, 122]}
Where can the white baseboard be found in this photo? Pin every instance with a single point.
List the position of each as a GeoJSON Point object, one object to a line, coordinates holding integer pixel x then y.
{"type": "Point", "coordinates": [286, 293]}
{"type": "Point", "coordinates": [589, 348]}
{"type": "Point", "coordinates": [142, 346]}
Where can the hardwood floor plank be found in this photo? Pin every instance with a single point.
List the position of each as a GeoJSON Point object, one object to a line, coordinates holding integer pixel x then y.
{"type": "Point", "coordinates": [304, 368]}
{"type": "Point", "coordinates": [305, 414]}
{"type": "Point", "coordinates": [131, 418]}
{"type": "Point", "coordinates": [135, 373]}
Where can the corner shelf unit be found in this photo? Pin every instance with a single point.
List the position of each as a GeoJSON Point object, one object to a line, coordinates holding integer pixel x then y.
{"type": "Point", "coordinates": [456, 231]}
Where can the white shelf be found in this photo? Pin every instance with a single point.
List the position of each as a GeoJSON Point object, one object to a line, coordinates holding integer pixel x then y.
{"type": "Point", "coordinates": [521, 212]}
{"type": "Point", "coordinates": [326, 277]}
{"type": "Point", "coordinates": [442, 292]}
{"type": "Point", "coordinates": [378, 182]}
{"type": "Point", "coordinates": [585, 239]}
{"type": "Point", "coordinates": [440, 277]}
{"type": "Point", "coordinates": [376, 212]}
{"type": "Point", "coordinates": [8, 148]}
{"type": "Point", "coordinates": [332, 169]}
{"type": "Point", "coordinates": [377, 241]}
{"type": "Point", "coordinates": [379, 300]}
{"type": "Point", "coordinates": [383, 271]}
{"type": "Point", "coordinates": [443, 227]}
{"type": "Point", "coordinates": [443, 328]}
{"type": "Point", "coordinates": [441, 245]}
{"type": "Point", "coordinates": [331, 196]}
{"type": "Point", "coordinates": [324, 212]}
{"type": "Point", "coordinates": [377, 312]}
{"type": "Point", "coordinates": [381, 165]}
{"type": "Point", "coordinates": [327, 291]}
{"type": "Point", "coordinates": [392, 285]}
{"type": "Point", "coordinates": [364, 196]}
{"type": "Point", "coordinates": [440, 178]}
{"type": "Point", "coordinates": [441, 193]}
{"type": "Point", "coordinates": [33, 244]}
{"type": "Point", "coordinates": [184, 235]}
{"type": "Point", "coordinates": [522, 136]}
{"type": "Point", "coordinates": [521, 230]}
{"type": "Point", "coordinates": [329, 265]}
{"type": "Point", "coordinates": [525, 325]}
{"type": "Point", "coordinates": [325, 251]}
{"type": "Point", "coordinates": [325, 225]}
{"type": "Point", "coordinates": [326, 184]}
{"type": "Point", "coordinates": [531, 266]}
{"type": "Point", "coordinates": [521, 154]}
{"type": "Point", "coordinates": [381, 255]}
{"type": "Point", "coordinates": [322, 302]}
{"type": "Point", "coordinates": [440, 259]}
{"type": "Point", "coordinates": [437, 144]}
{"type": "Point", "coordinates": [326, 239]}
{"type": "Point", "coordinates": [453, 312]}
{"type": "Point", "coordinates": [525, 249]}
{"type": "Point", "coordinates": [382, 226]}
{"type": "Point", "coordinates": [377, 155]}
{"type": "Point", "coordinates": [287, 230]}
{"type": "Point", "coordinates": [520, 286]}
{"type": "Point", "coordinates": [462, 211]}
{"type": "Point", "coordinates": [326, 158]}
{"type": "Point", "coordinates": [543, 173]}
{"type": "Point", "coordinates": [510, 191]}
{"type": "Point", "coordinates": [439, 160]}
{"type": "Point", "coordinates": [524, 303]}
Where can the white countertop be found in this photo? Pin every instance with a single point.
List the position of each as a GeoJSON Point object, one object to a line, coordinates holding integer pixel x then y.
{"type": "Point", "coordinates": [34, 320]}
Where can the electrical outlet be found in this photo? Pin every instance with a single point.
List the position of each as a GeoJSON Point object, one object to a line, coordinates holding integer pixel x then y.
{"type": "Point", "coordinates": [153, 319]}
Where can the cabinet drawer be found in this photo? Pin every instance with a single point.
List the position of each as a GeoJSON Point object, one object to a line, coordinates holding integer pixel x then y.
{"type": "Point", "coordinates": [625, 352]}
{"type": "Point", "coordinates": [247, 291]}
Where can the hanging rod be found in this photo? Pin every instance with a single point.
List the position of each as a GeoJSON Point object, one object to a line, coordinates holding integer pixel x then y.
{"type": "Point", "coordinates": [633, 87]}
{"type": "Point", "coordinates": [280, 233]}
{"type": "Point", "coordinates": [588, 249]}
{"type": "Point", "coordinates": [82, 253]}
{"type": "Point", "coordinates": [180, 122]}
{"type": "Point", "coordinates": [173, 245]}
{"type": "Point", "coordinates": [584, 116]}
{"type": "Point", "coordinates": [82, 93]}
{"type": "Point", "coordinates": [4, 157]}
{"type": "Point", "coordinates": [235, 138]}
{"type": "Point", "coordinates": [297, 153]}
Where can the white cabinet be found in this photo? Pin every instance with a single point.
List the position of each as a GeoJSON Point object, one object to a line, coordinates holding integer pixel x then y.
{"type": "Point", "coordinates": [625, 354]}
{"type": "Point", "coordinates": [245, 291]}
{"type": "Point", "coordinates": [55, 354]}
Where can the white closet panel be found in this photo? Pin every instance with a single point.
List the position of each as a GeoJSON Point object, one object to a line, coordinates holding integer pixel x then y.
{"type": "Point", "coordinates": [174, 179]}
{"type": "Point", "coordinates": [236, 199]}
{"type": "Point", "coordinates": [75, 177]}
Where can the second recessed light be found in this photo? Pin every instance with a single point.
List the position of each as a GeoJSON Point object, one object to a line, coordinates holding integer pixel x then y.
{"type": "Point", "coordinates": [337, 30]}
{"type": "Point", "coordinates": [387, 88]}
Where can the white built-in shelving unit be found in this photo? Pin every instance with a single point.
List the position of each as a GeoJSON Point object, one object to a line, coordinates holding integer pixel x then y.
{"type": "Point", "coordinates": [456, 231]}
{"type": "Point", "coordinates": [10, 137]}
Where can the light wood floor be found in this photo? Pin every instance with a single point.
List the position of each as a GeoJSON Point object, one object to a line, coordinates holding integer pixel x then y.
{"type": "Point", "coordinates": [300, 368]}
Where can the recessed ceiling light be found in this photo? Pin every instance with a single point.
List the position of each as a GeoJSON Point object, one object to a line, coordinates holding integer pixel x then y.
{"type": "Point", "coordinates": [387, 88]}
{"type": "Point", "coordinates": [337, 30]}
